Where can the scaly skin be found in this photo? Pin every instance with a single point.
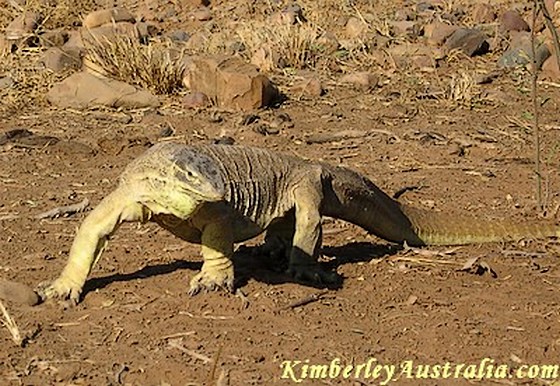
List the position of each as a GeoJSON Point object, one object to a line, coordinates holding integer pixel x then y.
{"type": "Point", "coordinates": [218, 195]}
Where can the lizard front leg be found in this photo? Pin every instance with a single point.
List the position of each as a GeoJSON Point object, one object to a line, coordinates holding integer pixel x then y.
{"type": "Point", "coordinates": [89, 243]}
{"type": "Point", "coordinates": [217, 250]}
{"type": "Point", "coordinates": [308, 236]}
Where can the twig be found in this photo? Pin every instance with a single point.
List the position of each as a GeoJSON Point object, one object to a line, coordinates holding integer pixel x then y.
{"type": "Point", "coordinates": [307, 300]}
{"type": "Point", "coordinates": [178, 335]}
{"type": "Point", "coordinates": [64, 210]}
{"type": "Point", "coordinates": [550, 26]}
{"type": "Point", "coordinates": [119, 373]}
{"type": "Point", "coordinates": [11, 325]}
{"type": "Point", "coordinates": [175, 343]}
{"type": "Point", "coordinates": [212, 373]}
{"type": "Point", "coordinates": [534, 96]}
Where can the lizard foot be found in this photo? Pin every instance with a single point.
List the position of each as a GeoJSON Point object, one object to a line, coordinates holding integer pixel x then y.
{"type": "Point", "coordinates": [59, 289]}
{"type": "Point", "coordinates": [313, 274]}
{"type": "Point", "coordinates": [210, 280]}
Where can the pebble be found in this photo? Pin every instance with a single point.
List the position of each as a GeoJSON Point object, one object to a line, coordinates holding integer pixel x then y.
{"type": "Point", "coordinates": [196, 100]}
{"type": "Point", "coordinates": [363, 80]}
{"type": "Point", "coordinates": [512, 21]}
{"type": "Point", "coordinates": [471, 41]}
{"type": "Point", "coordinates": [202, 14]}
{"type": "Point", "coordinates": [483, 13]}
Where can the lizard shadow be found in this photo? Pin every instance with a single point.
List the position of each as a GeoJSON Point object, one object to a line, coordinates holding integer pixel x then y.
{"type": "Point", "coordinates": [250, 264]}
{"type": "Point", "coordinates": [96, 283]}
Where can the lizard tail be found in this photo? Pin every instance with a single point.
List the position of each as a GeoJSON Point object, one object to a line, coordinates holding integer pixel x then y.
{"type": "Point", "coordinates": [433, 228]}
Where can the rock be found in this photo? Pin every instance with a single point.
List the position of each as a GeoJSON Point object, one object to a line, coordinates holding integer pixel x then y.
{"type": "Point", "coordinates": [84, 90]}
{"type": "Point", "coordinates": [471, 41]}
{"type": "Point", "coordinates": [512, 21]}
{"type": "Point", "coordinates": [310, 87]}
{"type": "Point", "coordinates": [198, 41]}
{"type": "Point", "coordinates": [290, 15]}
{"type": "Point", "coordinates": [196, 100]}
{"type": "Point", "coordinates": [223, 140]}
{"type": "Point", "coordinates": [355, 28]}
{"type": "Point", "coordinates": [146, 31]}
{"type": "Point", "coordinates": [328, 43]}
{"type": "Point", "coordinates": [20, 30]}
{"type": "Point", "coordinates": [108, 32]}
{"type": "Point", "coordinates": [438, 32]}
{"type": "Point", "coordinates": [231, 83]}
{"type": "Point", "coordinates": [248, 119]}
{"type": "Point", "coordinates": [406, 27]}
{"type": "Point", "coordinates": [265, 129]}
{"type": "Point", "coordinates": [550, 69]}
{"type": "Point", "coordinates": [265, 59]}
{"type": "Point", "coordinates": [197, 3]}
{"type": "Point", "coordinates": [106, 16]}
{"type": "Point", "coordinates": [520, 51]}
{"type": "Point", "coordinates": [179, 36]}
{"type": "Point", "coordinates": [59, 59]}
{"type": "Point", "coordinates": [363, 80]}
{"type": "Point", "coordinates": [483, 13]}
{"type": "Point", "coordinates": [201, 14]}
{"type": "Point", "coordinates": [415, 55]}
{"type": "Point", "coordinates": [6, 82]}
{"type": "Point", "coordinates": [424, 6]}
{"type": "Point", "coordinates": [74, 39]}
{"type": "Point", "coordinates": [55, 38]}
{"type": "Point", "coordinates": [235, 47]}
{"type": "Point", "coordinates": [18, 293]}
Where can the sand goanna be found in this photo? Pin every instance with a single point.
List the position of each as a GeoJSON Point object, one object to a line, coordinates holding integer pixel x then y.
{"type": "Point", "coordinates": [218, 195]}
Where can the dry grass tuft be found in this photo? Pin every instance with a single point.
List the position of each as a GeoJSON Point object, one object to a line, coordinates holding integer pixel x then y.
{"type": "Point", "coordinates": [462, 89]}
{"type": "Point", "coordinates": [56, 13]}
{"type": "Point", "coordinates": [30, 80]}
{"type": "Point", "coordinates": [150, 66]}
{"type": "Point", "coordinates": [293, 46]}
{"type": "Point", "coordinates": [11, 325]}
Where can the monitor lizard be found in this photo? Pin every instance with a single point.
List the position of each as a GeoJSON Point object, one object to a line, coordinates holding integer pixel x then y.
{"type": "Point", "coordinates": [218, 195]}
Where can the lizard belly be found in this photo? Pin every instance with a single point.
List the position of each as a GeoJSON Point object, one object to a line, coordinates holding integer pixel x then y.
{"type": "Point", "coordinates": [180, 228]}
{"type": "Point", "coordinates": [242, 228]}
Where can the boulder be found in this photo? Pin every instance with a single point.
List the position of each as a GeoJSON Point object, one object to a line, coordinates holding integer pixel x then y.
{"type": "Point", "coordinates": [84, 90]}
{"type": "Point", "coordinates": [105, 16]}
{"type": "Point", "coordinates": [471, 41]}
{"type": "Point", "coordinates": [21, 28]}
{"type": "Point", "coordinates": [438, 32]}
{"type": "Point", "coordinates": [58, 59]}
{"type": "Point", "coordinates": [231, 83]}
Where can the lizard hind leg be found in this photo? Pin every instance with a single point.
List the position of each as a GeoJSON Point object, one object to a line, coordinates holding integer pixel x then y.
{"type": "Point", "coordinates": [308, 238]}
{"type": "Point", "coordinates": [278, 242]}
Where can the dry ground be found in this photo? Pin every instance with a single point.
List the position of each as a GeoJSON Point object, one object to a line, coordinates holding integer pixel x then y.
{"type": "Point", "coordinates": [137, 325]}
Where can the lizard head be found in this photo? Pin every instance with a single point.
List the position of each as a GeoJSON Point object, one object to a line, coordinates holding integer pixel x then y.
{"type": "Point", "coordinates": [198, 174]}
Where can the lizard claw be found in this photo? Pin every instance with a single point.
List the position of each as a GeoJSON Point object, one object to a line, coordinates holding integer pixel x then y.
{"type": "Point", "coordinates": [69, 294]}
{"type": "Point", "coordinates": [313, 274]}
{"type": "Point", "coordinates": [211, 280]}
